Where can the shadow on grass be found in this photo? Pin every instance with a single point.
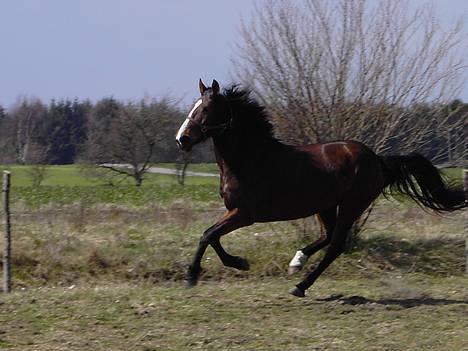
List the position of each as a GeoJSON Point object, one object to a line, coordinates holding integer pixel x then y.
{"type": "Point", "coordinates": [403, 302]}
{"type": "Point", "coordinates": [437, 256]}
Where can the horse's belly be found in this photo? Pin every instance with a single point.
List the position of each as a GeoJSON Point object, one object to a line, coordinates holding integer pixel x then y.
{"type": "Point", "coordinates": [284, 199]}
{"type": "Point", "coordinates": [282, 208]}
{"type": "Point", "coordinates": [271, 206]}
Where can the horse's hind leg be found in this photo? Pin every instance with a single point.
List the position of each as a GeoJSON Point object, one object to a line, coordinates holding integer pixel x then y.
{"type": "Point", "coordinates": [348, 212]}
{"type": "Point", "coordinates": [327, 220]}
{"type": "Point", "coordinates": [335, 249]}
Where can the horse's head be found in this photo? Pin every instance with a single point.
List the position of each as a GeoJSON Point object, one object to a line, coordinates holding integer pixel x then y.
{"type": "Point", "coordinates": [208, 117]}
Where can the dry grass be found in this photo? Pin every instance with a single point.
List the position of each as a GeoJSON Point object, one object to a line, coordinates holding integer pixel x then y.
{"type": "Point", "coordinates": [343, 314]}
{"type": "Point", "coordinates": [109, 277]}
{"type": "Point", "coordinates": [72, 243]}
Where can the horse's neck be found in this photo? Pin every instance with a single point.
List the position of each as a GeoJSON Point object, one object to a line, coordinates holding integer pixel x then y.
{"type": "Point", "coordinates": [244, 154]}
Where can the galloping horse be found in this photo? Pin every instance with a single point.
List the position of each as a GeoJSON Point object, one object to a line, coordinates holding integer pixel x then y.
{"type": "Point", "coordinates": [265, 180]}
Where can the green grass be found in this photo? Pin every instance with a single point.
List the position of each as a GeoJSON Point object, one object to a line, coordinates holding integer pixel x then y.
{"type": "Point", "coordinates": [74, 175]}
{"type": "Point", "coordinates": [34, 197]}
{"type": "Point", "coordinates": [194, 167]}
{"type": "Point", "coordinates": [70, 184]}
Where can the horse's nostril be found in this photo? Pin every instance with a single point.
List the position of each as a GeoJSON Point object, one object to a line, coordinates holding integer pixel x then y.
{"type": "Point", "coordinates": [183, 142]}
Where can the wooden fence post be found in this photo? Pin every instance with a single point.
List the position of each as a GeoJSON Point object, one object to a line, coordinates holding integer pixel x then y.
{"type": "Point", "coordinates": [465, 188]}
{"type": "Point", "coordinates": [7, 238]}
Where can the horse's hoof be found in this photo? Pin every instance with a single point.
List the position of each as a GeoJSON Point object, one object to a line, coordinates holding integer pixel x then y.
{"type": "Point", "coordinates": [297, 292]}
{"type": "Point", "coordinates": [243, 264]}
{"type": "Point", "coordinates": [190, 283]}
{"type": "Point", "coordinates": [293, 269]}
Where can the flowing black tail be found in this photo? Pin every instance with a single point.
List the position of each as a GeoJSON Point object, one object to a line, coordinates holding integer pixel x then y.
{"type": "Point", "coordinates": [416, 176]}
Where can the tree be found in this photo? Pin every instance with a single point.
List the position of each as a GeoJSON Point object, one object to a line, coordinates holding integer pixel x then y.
{"type": "Point", "coordinates": [64, 130]}
{"type": "Point", "coordinates": [6, 143]}
{"type": "Point", "coordinates": [346, 69]}
{"type": "Point", "coordinates": [136, 133]}
{"type": "Point", "coordinates": [25, 119]}
{"type": "Point", "coordinates": [453, 135]}
{"type": "Point", "coordinates": [445, 142]}
{"type": "Point", "coordinates": [2, 114]}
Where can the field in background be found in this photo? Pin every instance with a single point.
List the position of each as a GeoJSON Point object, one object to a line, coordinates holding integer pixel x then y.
{"type": "Point", "coordinates": [100, 267]}
{"type": "Point", "coordinates": [75, 175]}
{"type": "Point", "coordinates": [65, 185]}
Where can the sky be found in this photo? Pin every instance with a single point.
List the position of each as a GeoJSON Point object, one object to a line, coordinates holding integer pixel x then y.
{"type": "Point", "coordinates": [128, 49]}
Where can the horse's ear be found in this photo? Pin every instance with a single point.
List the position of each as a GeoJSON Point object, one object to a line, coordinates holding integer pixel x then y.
{"type": "Point", "coordinates": [215, 87]}
{"type": "Point", "coordinates": [202, 87]}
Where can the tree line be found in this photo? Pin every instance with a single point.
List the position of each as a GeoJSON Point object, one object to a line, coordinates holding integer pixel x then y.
{"type": "Point", "coordinates": [139, 133]}
{"type": "Point", "coordinates": [106, 132]}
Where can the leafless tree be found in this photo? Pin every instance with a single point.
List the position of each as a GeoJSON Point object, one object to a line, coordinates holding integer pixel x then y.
{"type": "Point", "coordinates": [26, 116]}
{"type": "Point", "coordinates": [37, 173]}
{"type": "Point", "coordinates": [349, 69]}
{"type": "Point", "coordinates": [133, 138]}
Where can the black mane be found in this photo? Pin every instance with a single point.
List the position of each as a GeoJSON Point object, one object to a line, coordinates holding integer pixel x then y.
{"type": "Point", "coordinates": [248, 115]}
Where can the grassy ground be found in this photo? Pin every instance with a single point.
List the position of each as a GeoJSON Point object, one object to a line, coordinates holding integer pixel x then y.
{"type": "Point", "coordinates": [391, 313]}
{"type": "Point", "coordinates": [65, 244]}
{"type": "Point", "coordinates": [105, 272]}
{"type": "Point", "coordinates": [75, 175]}
{"type": "Point", "coordinates": [110, 277]}
{"type": "Point", "coordinates": [66, 185]}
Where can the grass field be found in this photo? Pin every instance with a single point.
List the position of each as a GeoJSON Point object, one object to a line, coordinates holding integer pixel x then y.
{"type": "Point", "coordinates": [99, 269]}
{"type": "Point", "coordinates": [65, 185]}
{"type": "Point", "coordinates": [73, 175]}
{"type": "Point", "coordinates": [391, 313]}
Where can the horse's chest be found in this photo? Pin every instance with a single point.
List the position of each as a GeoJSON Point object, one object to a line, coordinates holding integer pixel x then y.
{"type": "Point", "coordinates": [238, 194]}
{"type": "Point", "coordinates": [230, 191]}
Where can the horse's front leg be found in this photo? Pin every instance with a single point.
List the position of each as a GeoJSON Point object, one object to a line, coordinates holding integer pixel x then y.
{"type": "Point", "coordinates": [231, 221]}
{"type": "Point", "coordinates": [228, 260]}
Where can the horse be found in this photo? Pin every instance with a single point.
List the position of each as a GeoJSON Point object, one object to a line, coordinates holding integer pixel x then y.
{"type": "Point", "coordinates": [265, 180]}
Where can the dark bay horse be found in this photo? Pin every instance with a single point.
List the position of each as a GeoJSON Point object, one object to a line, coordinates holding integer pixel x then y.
{"type": "Point", "coordinates": [265, 180]}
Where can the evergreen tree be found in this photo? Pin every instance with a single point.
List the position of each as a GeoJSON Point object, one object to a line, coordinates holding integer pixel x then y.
{"type": "Point", "coordinates": [64, 131]}
{"type": "Point", "coordinates": [2, 113]}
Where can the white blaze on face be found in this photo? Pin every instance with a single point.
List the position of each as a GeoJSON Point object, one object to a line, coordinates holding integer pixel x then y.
{"type": "Point", "coordinates": [187, 121]}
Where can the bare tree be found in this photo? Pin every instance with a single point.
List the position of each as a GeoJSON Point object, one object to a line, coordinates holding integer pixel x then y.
{"type": "Point", "coordinates": [26, 117]}
{"type": "Point", "coordinates": [454, 139]}
{"type": "Point", "coordinates": [37, 173]}
{"type": "Point", "coordinates": [348, 69]}
{"type": "Point", "coordinates": [133, 138]}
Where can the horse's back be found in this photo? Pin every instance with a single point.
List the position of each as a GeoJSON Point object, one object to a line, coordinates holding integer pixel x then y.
{"type": "Point", "coordinates": [336, 155]}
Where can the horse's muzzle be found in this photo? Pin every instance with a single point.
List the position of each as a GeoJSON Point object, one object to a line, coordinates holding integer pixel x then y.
{"type": "Point", "coordinates": [184, 143]}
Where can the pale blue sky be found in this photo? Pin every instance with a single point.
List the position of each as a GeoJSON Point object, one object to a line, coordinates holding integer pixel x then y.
{"type": "Point", "coordinates": [126, 49]}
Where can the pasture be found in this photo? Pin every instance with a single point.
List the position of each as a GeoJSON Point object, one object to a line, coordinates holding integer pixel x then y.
{"type": "Point", "coordinates": [100, 267]}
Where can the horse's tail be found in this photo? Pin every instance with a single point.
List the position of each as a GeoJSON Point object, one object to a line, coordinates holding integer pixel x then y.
{"type": "Point", "coordinates": [416, 176]}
